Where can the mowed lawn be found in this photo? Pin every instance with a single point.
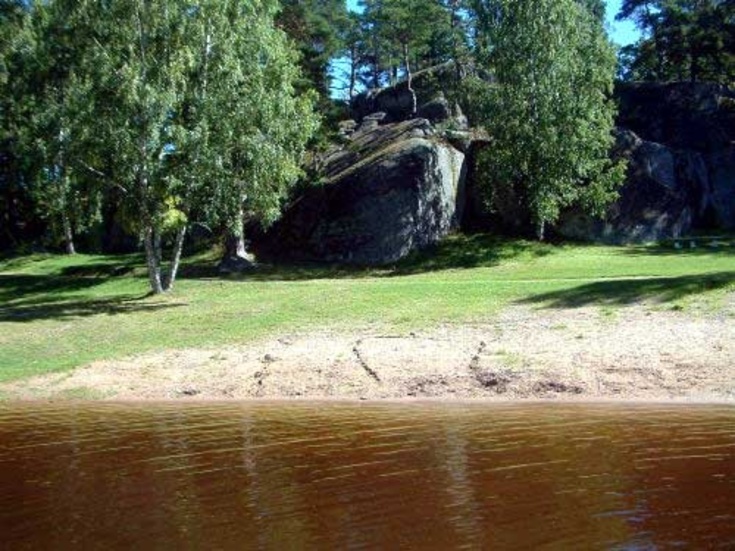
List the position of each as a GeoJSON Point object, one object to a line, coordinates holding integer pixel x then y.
{"type": "Point", "coordinates": [59, 312]}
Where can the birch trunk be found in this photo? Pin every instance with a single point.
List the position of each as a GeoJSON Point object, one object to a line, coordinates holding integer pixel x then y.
{"type": "Point", "coordinates": [68, 234]}
{"type": "Point", "coordinates": [353, 72]}
{"type": "Point", "coordinates": [176, 260]}
{"type": "Point", "coordinates": [409, 80]}
{"type": "Point", "coordinates": [151, 260]}
{"type": "Point", "coordinates": [541, 230]}
{"type": "Point", "coordinates": [62, 188]}
{"type": "Point", "coordinates": [235, 245]}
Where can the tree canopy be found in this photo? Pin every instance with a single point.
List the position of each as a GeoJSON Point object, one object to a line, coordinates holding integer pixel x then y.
{"type": "Point", "coordinates": [682, 40]}
{"type": "Point", "coordinates": [180, 112]}
{"type": "Point", "coordinates": [549, 111]}
{"type": "Point", "coordinates": [189, 110]}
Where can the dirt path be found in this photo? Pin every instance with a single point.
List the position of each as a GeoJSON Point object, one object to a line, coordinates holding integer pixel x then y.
{"type": "Point", "coordinates": [524, 354]}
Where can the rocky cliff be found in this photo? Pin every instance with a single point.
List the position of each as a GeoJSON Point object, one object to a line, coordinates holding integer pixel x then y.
{"type": "Point", "coordinates": [679, 140]}
{"type": "Point", "coordinates": [397, 183]}
{"type": "Point", "coordinates": [697, 121]}
{"type": "Point", "coordinates": [390, 189]}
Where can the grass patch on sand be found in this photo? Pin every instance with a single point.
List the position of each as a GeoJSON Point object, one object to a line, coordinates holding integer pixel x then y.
{"type": "Point", "coordinates": [59, 312]}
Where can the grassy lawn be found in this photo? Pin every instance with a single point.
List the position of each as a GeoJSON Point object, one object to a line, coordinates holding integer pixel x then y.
{"type": "Point", "coordinates": [60, 312]}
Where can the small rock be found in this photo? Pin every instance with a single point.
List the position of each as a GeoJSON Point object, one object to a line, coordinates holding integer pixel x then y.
{"type": "Point", "coordinates": [347, 126]}
{"type": "Point", "coordinates": [236, 265]}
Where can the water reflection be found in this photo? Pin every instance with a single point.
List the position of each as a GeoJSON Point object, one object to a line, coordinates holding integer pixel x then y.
{"type": "Point", "coordinates": [365, 476]}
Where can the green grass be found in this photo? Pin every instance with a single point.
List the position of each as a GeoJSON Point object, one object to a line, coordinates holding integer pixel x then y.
{"type": "Point", "coordinates": [60, 312]}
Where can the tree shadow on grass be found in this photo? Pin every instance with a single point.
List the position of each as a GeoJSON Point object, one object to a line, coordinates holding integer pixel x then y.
{"type": "Point", "coordinates": [16, 288]}
{"type": "Point", "coordinates": [454, 253]}
{"type": "Point", "coordinates": [471, 251]}
{"type": "Point", "coordinates": [621, 292]}
{"type": "Point", "coordinates": [106, 269]}
{"type": "Point", "coordinates": [69, 309]}
{"type": "Point", "coordinates": [685, 251]}
{"type": "Point", "coordinates": [64, 293]}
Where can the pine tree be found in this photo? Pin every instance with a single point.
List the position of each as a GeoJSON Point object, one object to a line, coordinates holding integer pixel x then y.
{"type": "Point", "coordinates": [318, 29]}
{"type": "Point", "coordinates": [682, 40]}
{"type": "Point", "coordinates": [405, 29]}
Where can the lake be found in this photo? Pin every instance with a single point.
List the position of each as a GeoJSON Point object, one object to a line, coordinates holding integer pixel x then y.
{"type": "Point", "coordinates": [373, 475]}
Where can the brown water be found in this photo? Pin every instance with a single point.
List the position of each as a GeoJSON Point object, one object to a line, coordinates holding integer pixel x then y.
{"type": "Point", "coordinates": [279, 476]}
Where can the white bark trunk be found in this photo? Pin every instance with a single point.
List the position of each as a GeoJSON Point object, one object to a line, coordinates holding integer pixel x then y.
{"type": "Point", "coordinates": [541, 230]}
{"type": "Point", "coordinates": [176, 260]}
{"type": "Point", "coordinates": [353, 71]}
{"type": "Point", "coordinates": [409, 80]}
{"type": "Point", "coordinates": [151, 260]}
{"type": "Point", "coordinates": [62, 189]}
{"type": "Point", "coordinates": [68, 234]}
{"type": "Point", "coordinates": [240, 246]}
{"type": "Point", "coordinates": [235, 245]}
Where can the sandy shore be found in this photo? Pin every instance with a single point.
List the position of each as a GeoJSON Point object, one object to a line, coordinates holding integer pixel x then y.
{"type": "Point", "coordinates": [575, 354]}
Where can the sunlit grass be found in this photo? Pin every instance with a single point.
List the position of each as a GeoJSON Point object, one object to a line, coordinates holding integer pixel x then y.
{"type": "Point", "coordinates": [59, 312]}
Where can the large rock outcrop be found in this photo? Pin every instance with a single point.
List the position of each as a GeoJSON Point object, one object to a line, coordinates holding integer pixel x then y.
{"type": "Point", "coordinates": [654, 201]}
{"type": "Point", "coordinates": [391, 189]}
{"type": "Point", "coordinates": [681, 115]}
{"type": "Point", "coordinates": [397, 183]}
{"type": "Point", "coordinates": [436, 96]}
{"type": "Point", "coordinates": [681, 165]}
{"type": "Point", "coordinates": [720, 204]}
{"type": "Point", "coordinates": [697, 122]}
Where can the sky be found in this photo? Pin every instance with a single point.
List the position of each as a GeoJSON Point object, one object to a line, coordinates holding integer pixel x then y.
{"type": "Point", "coordinates": [622, 33]}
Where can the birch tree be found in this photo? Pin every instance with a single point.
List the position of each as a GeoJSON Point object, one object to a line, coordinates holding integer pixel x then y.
{"type": "Point", "coordinates": [682, 39]}
{"type": "Point", "coordinates": [197, 102]}
{"type": "Point", "coordinates": [550, 112]}
{"type": "Point", "coordinates": [46, 102]}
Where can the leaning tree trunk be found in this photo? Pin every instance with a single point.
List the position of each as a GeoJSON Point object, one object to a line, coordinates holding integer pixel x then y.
{"type": "Point", "coordinates": [176, 260]}
{"type": "Point", "coordinates": [409, 80]}
{"type": "Point", "coordinates": [150, 234]}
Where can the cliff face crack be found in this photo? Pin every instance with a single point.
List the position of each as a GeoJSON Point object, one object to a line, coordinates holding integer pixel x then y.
{"type": "Point", "coordinates": [371, 372]}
